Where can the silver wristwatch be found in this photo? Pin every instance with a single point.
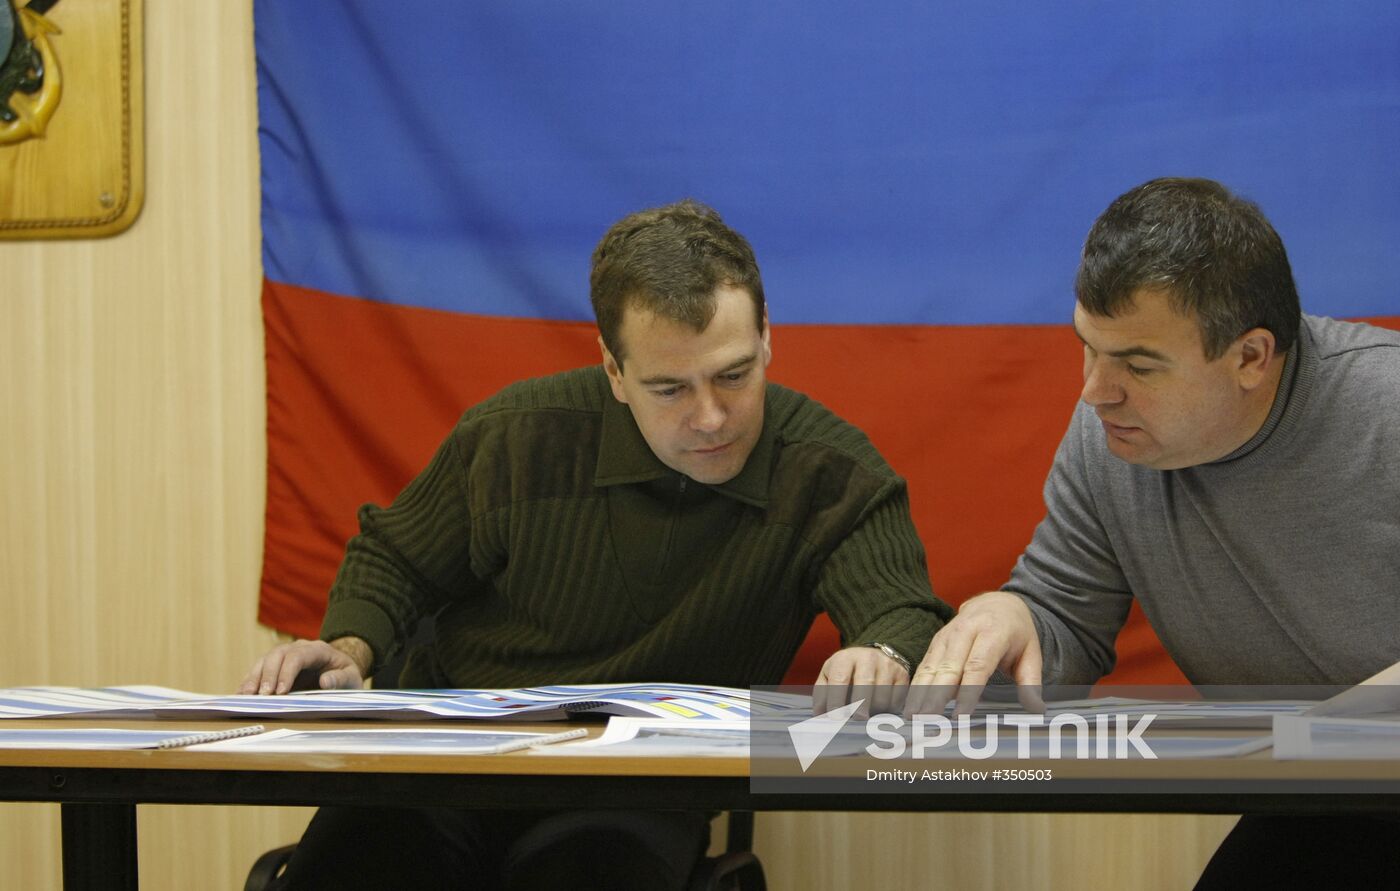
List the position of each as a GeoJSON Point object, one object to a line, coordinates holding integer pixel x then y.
{"type": "Point", "coordinates": [893, 654]}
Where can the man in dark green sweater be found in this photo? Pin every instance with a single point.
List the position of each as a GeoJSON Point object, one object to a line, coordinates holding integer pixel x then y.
{"type": "Point", "coordinates": [668, 516]}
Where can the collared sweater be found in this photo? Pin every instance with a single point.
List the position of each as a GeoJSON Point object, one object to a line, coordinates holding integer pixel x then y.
{"type": "Point", "coordinates": [553, 546]}
{"type": "Point", "coordinates": [1277, 564]}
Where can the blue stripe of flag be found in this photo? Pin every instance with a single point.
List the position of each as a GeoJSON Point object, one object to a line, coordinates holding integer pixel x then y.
{"type": "Point", "coordinates": [904, 162]}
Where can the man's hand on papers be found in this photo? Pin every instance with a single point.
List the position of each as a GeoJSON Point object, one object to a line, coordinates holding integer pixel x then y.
{"type": "Point", "coordinates": [860, 673]}
{"type": "Point", "coordinates": [338, 665]}
{"type": "Point", "coordinates": [990, 631]}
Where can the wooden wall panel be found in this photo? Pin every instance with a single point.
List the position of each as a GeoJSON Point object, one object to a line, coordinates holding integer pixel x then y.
{"type": "Point", "coordinates": [131, 496]}
{"type": "Point", "coordinates": [131, 441]}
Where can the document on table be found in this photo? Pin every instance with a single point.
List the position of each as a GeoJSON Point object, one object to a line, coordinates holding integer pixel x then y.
{"type": "Point", "coordinates": [1375, 737]}
{"type": "Point", "coordinates": [679, 702]}
{"type": "Point", "coordinates": [644, 737]}
{"type": "Point", "coordinates": [1188, 714]}
{"type": "Point", "coordinates": [114, 738]}
{"type": "Point", "coordinates": [393, 741]}
{"type": "Point", "coordinates": [652, 737]}
{"type": "Point", "coordinates": [57, 702]}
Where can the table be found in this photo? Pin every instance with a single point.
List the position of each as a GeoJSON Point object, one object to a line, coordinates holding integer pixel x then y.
{"type": "Point", "coordinates": [100, 790]}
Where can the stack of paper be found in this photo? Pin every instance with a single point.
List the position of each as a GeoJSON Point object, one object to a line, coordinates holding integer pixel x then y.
{"type": "Point", "coordinates": [1327, 737]}
{"type": "Point", "coordinates": [686, 702]}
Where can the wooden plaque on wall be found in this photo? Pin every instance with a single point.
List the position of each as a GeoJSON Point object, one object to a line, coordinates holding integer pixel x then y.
{"type": "Point", "coordinates": [71, 125]}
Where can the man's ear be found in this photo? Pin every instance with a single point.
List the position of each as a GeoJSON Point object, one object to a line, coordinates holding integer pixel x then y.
{"type": "Point", "coordinates": [614, 370]}
{"type": "Point", "coordinates": [767, 339]}
{"type": "Point", "coordinates": [1257, 354]}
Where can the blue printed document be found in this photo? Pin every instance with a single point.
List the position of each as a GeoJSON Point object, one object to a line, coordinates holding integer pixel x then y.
{"type": "Point", "coordinates": [397, 741]}
{"type": "Point", "coordinates": [1374, 737]}
{"type": "Point", "coordinates": [679, 702]}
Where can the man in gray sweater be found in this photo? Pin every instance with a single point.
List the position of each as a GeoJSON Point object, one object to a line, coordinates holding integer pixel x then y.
{"type": "Point", "coordinates": [1234, 465]}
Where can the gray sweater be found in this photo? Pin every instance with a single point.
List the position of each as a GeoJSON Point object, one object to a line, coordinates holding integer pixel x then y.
{"type": "Point", "coordinates": [1277, 564]}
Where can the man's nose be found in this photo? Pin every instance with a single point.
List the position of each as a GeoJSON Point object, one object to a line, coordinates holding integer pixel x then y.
{"type": "Point", "coordinates": [1099, 386]}
{"type": "Point", "coordinates": [709, 413]}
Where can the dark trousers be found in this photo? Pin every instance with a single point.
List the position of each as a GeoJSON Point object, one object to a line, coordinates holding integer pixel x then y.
{"type": "Point", "coordinates": [346, 848]}
{"type": "Point", "coordinates": [1307, 852]}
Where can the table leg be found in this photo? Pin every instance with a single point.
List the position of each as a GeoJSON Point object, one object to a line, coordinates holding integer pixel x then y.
{"type": "Point", "coordinates": [99, 847]}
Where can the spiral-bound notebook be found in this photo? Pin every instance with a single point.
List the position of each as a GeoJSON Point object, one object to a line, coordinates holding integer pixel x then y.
{"type": "Point", "coordinates": [113, 738]}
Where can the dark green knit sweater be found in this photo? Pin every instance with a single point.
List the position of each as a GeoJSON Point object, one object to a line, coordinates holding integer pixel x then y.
{"type": "Point", "coordinates": [555, 547]}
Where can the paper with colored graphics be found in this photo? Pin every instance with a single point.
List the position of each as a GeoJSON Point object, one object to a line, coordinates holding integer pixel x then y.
{"type": "Point", "coordinates": [680, 702]}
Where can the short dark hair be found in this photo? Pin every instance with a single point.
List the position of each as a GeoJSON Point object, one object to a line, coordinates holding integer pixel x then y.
{"type": "Point", "coordinates": [1212, 252]}
{"type": "Point", "coordinates": [669, 260]}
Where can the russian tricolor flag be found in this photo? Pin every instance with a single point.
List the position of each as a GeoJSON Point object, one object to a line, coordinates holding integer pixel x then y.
{"type": "Point", "coordinates": [916, 179]}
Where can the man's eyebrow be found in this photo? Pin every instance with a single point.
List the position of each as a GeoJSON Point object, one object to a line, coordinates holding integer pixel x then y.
{"type": "Point", "coordinates": [1128, 353]}
{"type": "Point", "coordinates": [661, 380]}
